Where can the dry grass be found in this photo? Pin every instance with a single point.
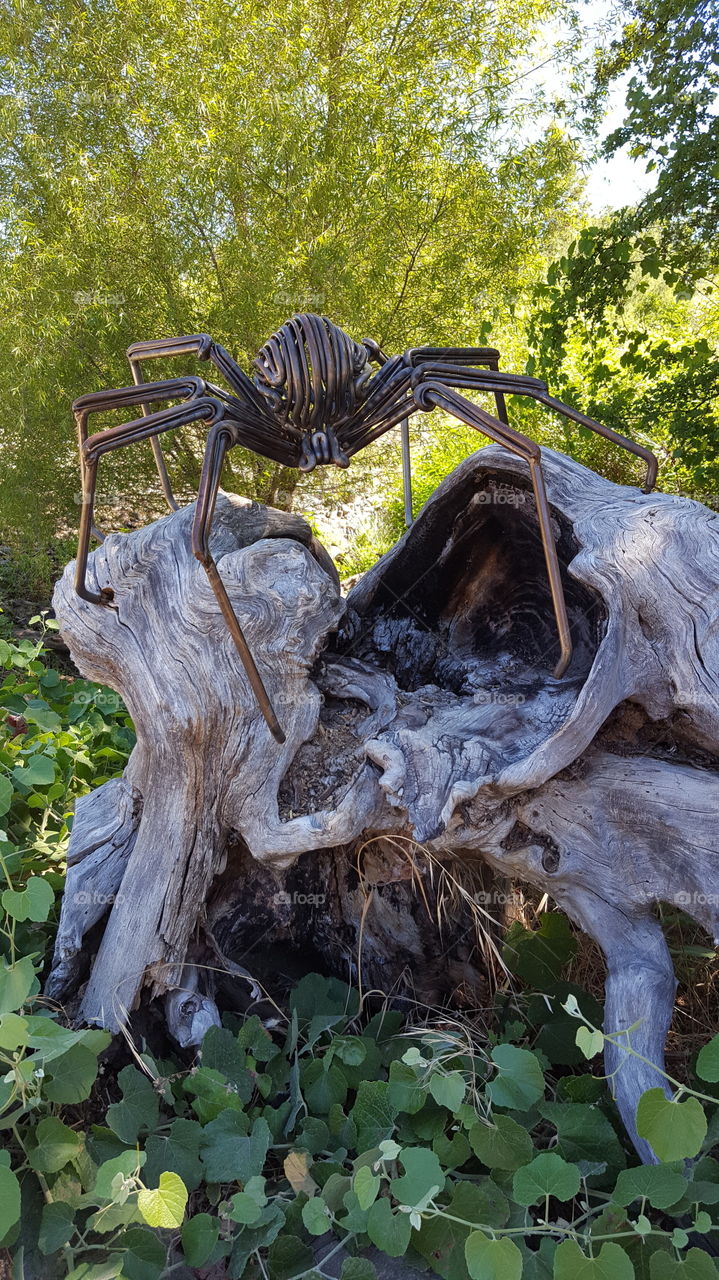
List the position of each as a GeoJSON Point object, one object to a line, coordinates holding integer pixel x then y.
{"type": "Point", "coordinates": [457, 883]}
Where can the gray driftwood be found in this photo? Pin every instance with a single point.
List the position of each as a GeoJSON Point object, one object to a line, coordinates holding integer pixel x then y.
{"type": "Point", "coordinates": [423, 707]}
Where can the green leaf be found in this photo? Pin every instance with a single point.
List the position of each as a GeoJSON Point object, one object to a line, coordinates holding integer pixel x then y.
{"type": "Point", "coordinates": [441, 1240]}
{"type": "Point", "coordinates": [246, 1206]}
{"type": "Point", "coordinates": [313, 1135]}
{"type": "Point", "coordinates": [661, 1186]}
{"type": "Point", "coordinates": [165, 1205]}
{"type": "Point", "coordinates": [504, 1144]}
{"type": "Point", "coordinates": [199, 1237]}
{"type": "Point", "coordinates": [316, 1217]}
{"type": "Point", "coordinates": [38, 772]}
{"type": "Point", "coordinates": [520, 1082]}
{"type": "Point", "coordinates": [9, 1200]}
{"type": "Point", "coordinates": [323, 1086]}
{"type": "Point", "coordinates": [43, 717]}
{"type": "Point", "coordinates": [145, 1257]}
{"type": "Point", "coordinates": [611, 1263]}
{"type": "Point", "coordinates": [423, 1176]}
{"type": "Point", "coordinates": [244, 1209]}
{"type": "Point", "coordinates": [128, 1163]}
{"type": "Point", "coordinates": [255, 1039]}
{"type": "Point", "coordinates": [229, 1153]}
{"type": "Point", "coordinates": [318, 996]}
{"type": "Point", "coordinates": [366, 1185]}
{"type": "Point", "coordinates": [695, 1265]}
{"type": "Point", "coordinates": [708, 1061]}
{"type": "Point", "coordinates": [139, 1108]}
{"type": "Point", "coordinates": [13, 1031]}
{"type": "Point", "coordinates": [6, 794]}
{"type": "Point", "coordinates": [583, 1131]}
{"type": "Point", "coordinates": [212, 1094]}
{"type": "Point", "coordinates": [57, 1224]}
{"type": "Point", "coordinates": [374, 1114]}
{"type": "Point", "coordinates": [389, 1231]}
{"type": "Point", "coordinates": [222, 1052]}
{"type": "Point", "coordinates": [32, 903]}
{"type": "Point", "coordinates": [452, 1152]}
{"type": "Point", "coordinates": [540, 956]}
{"type": "Point", "coordinates": [447, 1090]}
{"type": "Point", "coordinates": [351, 1049]}
{"type": "Point", "coordinates": [56, 1145]}
{"type": "Point", "coordinates": [16, 982]}
{"type": "Point", "coordinates": [590, 1042]}
{"type": "Point", "coordinates": [539, 1263]}
{"type": "Point", "coordinates": [288, 1257]}
{"type": "Point", "coordinates": [358, 1269]}
{"type": "Point", "coordinates": [674, 1130]}
{"type": "Point", "coordinates": [355, 1219]}
{"type": "Point", "coordinates": [177, 1151]}
{"type": "Point", "coordinates": [547, 1175]}
{"type": "Point", "coordinates": [404, 1092]}
{"type": "Point", "coordinates": [52, 1041]}
{"type": "Point", "coordinates": [492, 1259]}
{"type": "Point", "coordinates": [72, 1075]}
{"type": "Point", "coordinates": [106, 1270]}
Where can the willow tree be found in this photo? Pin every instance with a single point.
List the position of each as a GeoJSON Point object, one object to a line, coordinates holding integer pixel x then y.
{"type": "Point", "coordinates": [175, 166]}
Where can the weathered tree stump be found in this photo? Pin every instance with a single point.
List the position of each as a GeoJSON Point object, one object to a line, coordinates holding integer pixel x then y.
{"type": "Point", "coordinates": [421, 713]}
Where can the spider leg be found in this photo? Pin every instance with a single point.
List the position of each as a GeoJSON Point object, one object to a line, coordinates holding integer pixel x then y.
{"type": "Point", "coordinates": [379, 357]}
{"type": "Point", "coordinates": [482, 357]}
{"type": "Point", "coordinates": [198, 405]}
{"type": "Point", "coordinates": [399, 382]}
{"type": "Point", "coordinates": [202, 346]}
{"type": "Point", "coordinates": [87, 405]}
{"type": "Point", "coordinates": [518, 384]}
{"type": "Point", "coordinates": [431, 395]}
{"type": "Point", "coordinates": [220, 439]}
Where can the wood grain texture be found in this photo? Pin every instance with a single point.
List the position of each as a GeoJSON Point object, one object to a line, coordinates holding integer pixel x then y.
{"type": "Point", "coordinates": [423, 706]}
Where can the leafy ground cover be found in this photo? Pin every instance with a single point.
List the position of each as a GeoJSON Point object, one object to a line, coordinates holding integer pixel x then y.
{"type": "Point", "coordinates": [291, 1151]}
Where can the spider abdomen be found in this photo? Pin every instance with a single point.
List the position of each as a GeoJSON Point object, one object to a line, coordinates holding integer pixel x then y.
{"type": "Point", "coordinates": [311, 373]}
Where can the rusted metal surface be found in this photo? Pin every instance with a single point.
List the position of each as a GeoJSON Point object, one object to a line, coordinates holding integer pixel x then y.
{"type": "Point", "coordinates": [313, 400]}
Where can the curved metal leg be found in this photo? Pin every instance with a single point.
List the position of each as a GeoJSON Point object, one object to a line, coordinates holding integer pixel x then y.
{"type": "Point", "coordinates": [219, 441]}
{"type": "Point", "coordinates": [202, 346]}
{"type": "Point", "coordinates": [98, 401]}
{"type": "Point", "coordinates": [93, 447]}
{"type": "Point", "coordinates": [419, 357]}
{"type": "Point", "coordinates": [435, 395]}
{"type": "Point", "coordinates": [447, 373]}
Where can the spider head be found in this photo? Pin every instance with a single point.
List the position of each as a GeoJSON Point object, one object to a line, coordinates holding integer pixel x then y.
{"type": "Point", "coordinates": [312, 374]}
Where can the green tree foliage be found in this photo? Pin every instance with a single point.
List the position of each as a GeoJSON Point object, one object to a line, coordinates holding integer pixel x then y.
{"type": "Point", "coordinates": [176, 166]}
{"type": "Point", "coordinates": [627, 322]}
{"type": "Point", "coordinates": [671, 49]}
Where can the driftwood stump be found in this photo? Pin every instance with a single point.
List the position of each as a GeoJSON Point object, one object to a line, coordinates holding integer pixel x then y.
{"type": "Point", "coordinates": [420, 712]}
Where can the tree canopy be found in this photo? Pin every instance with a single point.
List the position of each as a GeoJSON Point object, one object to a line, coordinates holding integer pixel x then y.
{"type": "Point", "coordinates": [627, 318]}
{"type": "Point", "coordinates": [173, 167]}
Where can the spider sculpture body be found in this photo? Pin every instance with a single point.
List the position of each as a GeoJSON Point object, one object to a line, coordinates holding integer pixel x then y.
{"type": "Point", "coordinates": [313, 399]}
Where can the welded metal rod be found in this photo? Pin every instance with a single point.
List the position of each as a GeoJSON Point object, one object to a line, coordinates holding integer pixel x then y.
{"type": "Point", "coordinates": [313, 399]}
{"type": "Point", "coordinates": [406, 472]}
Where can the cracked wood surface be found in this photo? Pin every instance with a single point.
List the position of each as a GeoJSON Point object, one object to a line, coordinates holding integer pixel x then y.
{"type": "Point", "coordinates": [422, 706]}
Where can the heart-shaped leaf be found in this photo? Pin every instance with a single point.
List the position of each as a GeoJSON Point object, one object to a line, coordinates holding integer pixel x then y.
{"type": "Point", "coordinates": [31, 903]}
{"type": "Point", "coordinates": [165, 1206]}
{"type": "Point", "coordinates": [492, 1259]}
{"type": "Point", "coordinates": [674, 1130]}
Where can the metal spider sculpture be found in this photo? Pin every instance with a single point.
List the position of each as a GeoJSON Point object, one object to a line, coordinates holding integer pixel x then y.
{"type": "Point", "coordinates": [314, 399]}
